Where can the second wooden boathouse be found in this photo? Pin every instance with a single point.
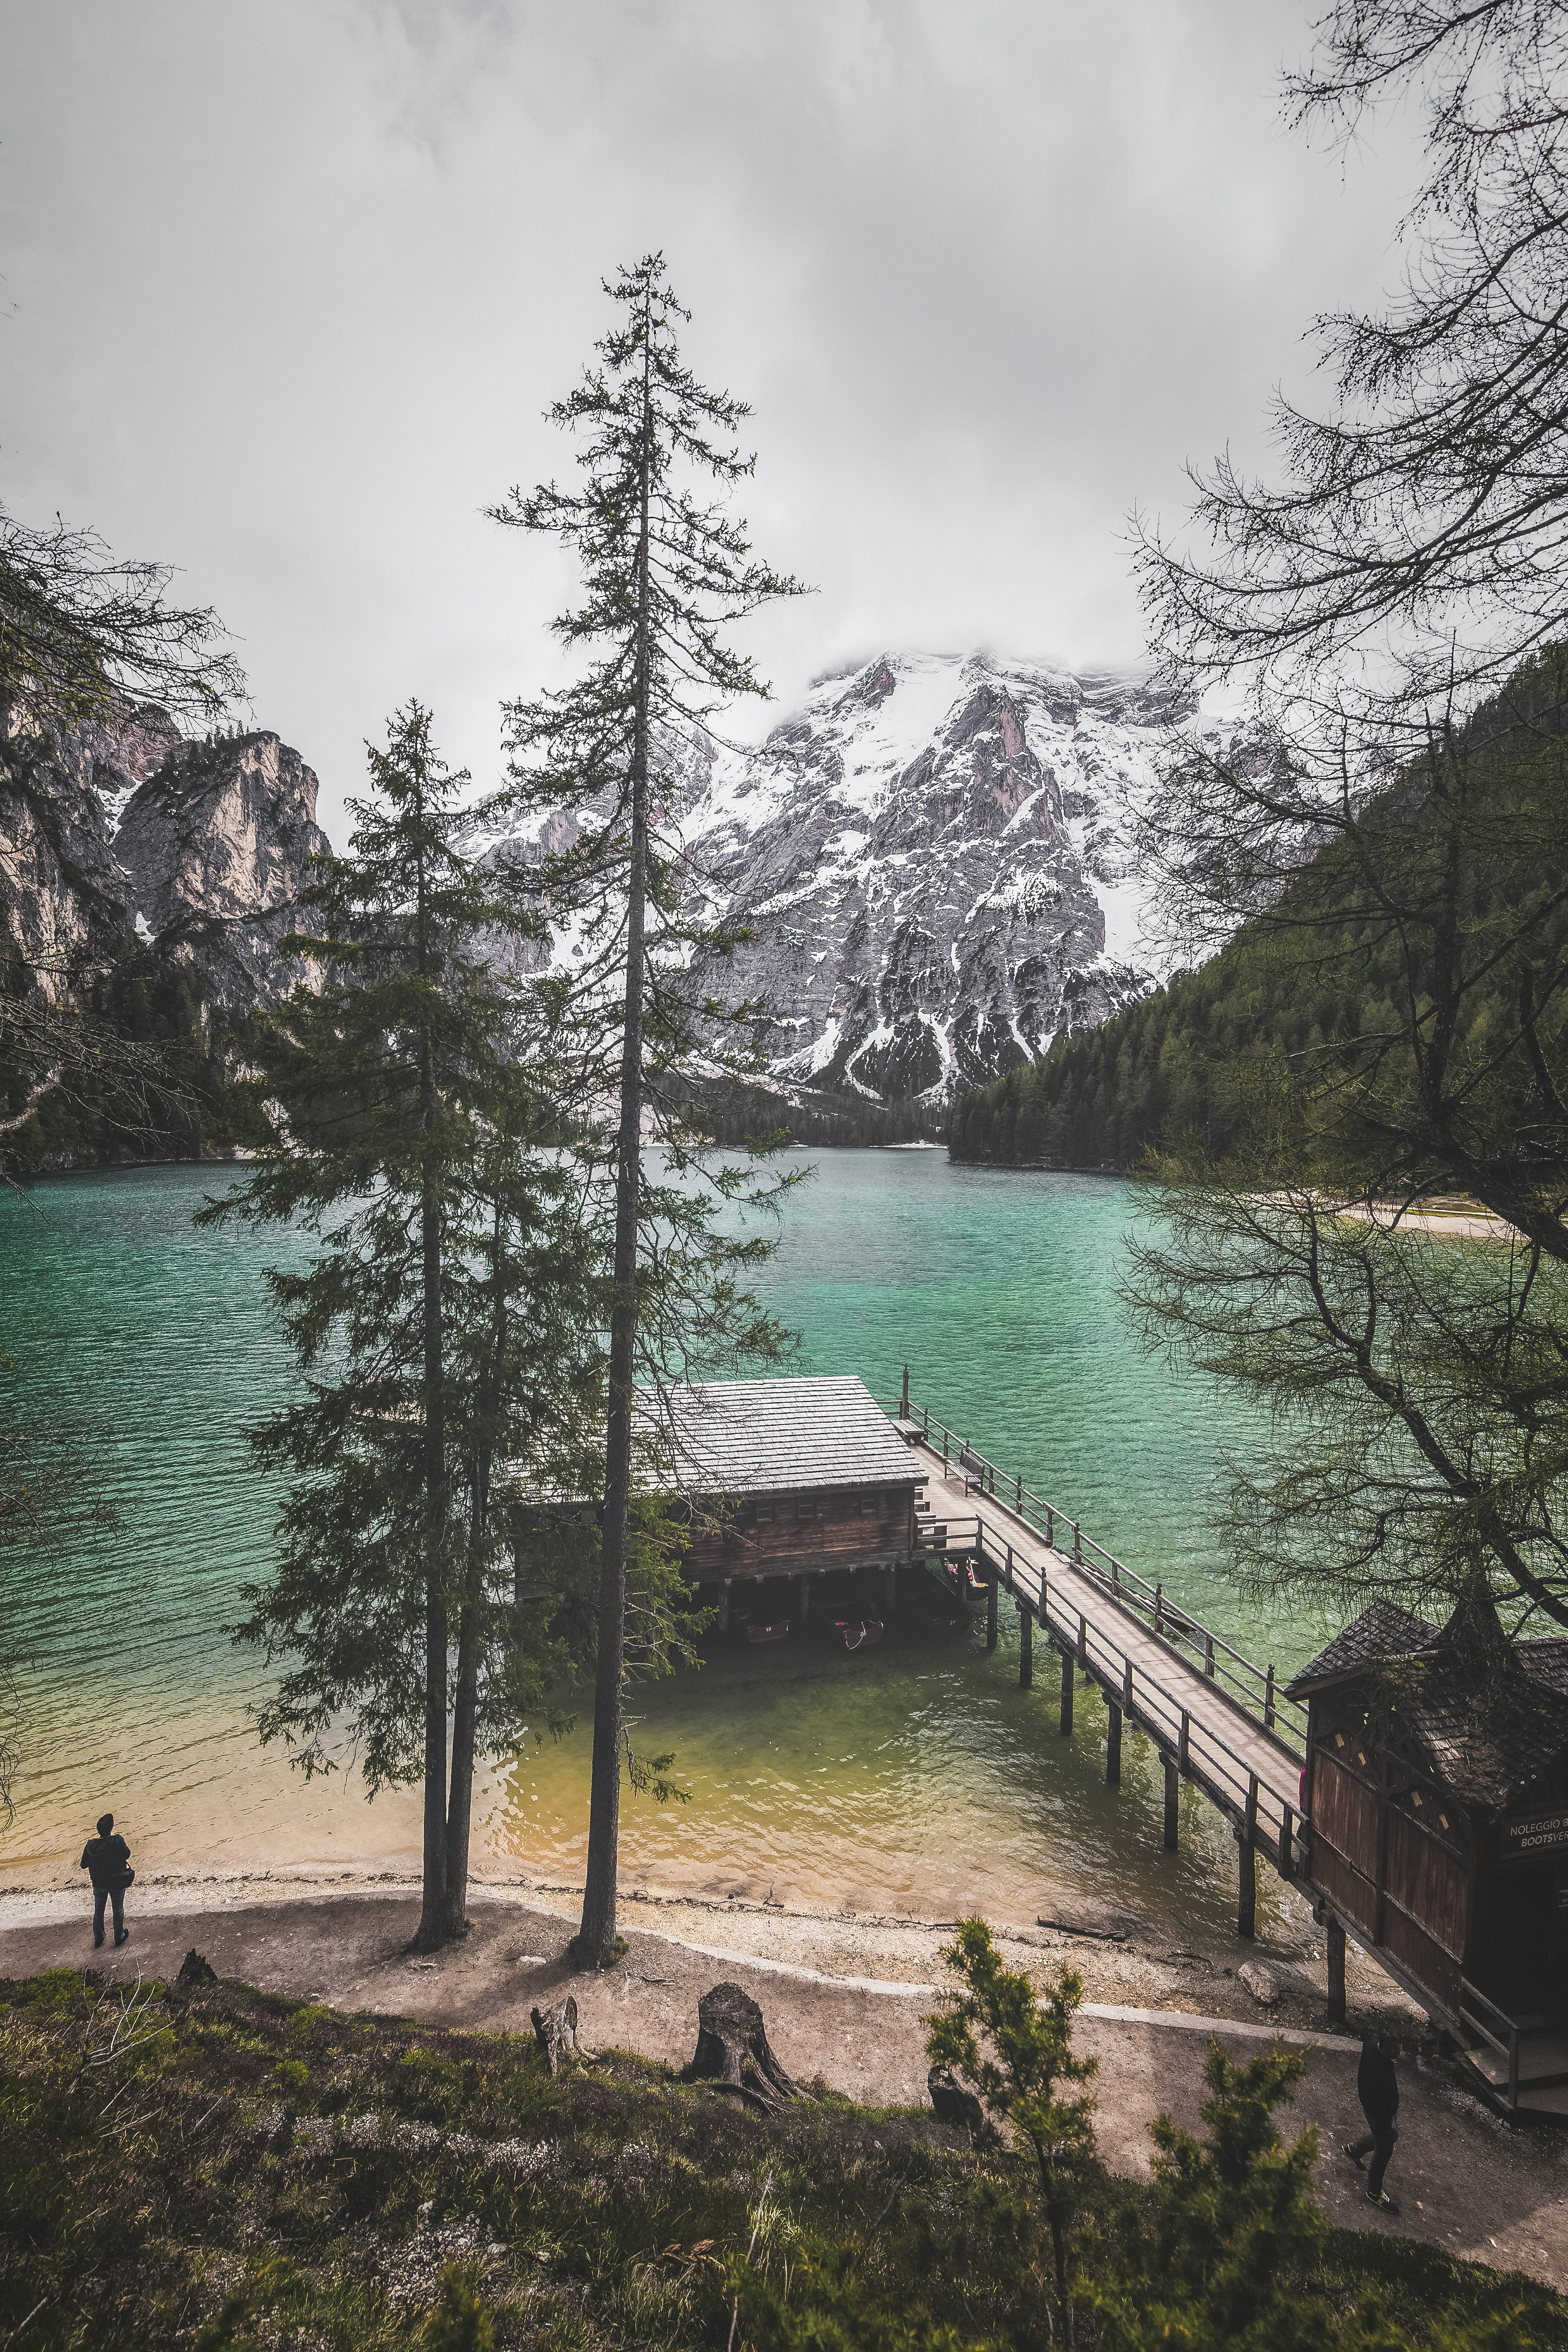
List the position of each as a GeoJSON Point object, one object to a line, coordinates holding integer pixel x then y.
{"type": "Point", "coordinates": [1437, 1830]}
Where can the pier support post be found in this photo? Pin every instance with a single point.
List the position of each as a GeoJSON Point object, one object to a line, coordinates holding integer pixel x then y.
{"type": "Point", "coordinates": [723, 1604]}
{"type": "Point", "coordinates": [991, 1612]}
{"type": "Point", "coordinates": [1025, 1649]}
{"type": "Point", "coordinates": [1246, 1896]}
{"type": "Point", "coordinates": [1066, 1695]}
{"type": "Point", "coordinates": [802, 1593]}
{"type": "Point", "coordinates": [1286, 1844]}
{"type": "Point", "coordinates": [890, 1589]}
{"type": "Point", "coordinates": [1172, 1797]}
{"type": "Point", "coordinates": [1114, 1747]}
{"type": "Point", "coordinates": [1336, 1937]}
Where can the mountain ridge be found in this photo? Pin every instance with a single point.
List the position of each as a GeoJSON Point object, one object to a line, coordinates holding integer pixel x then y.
{"type": "Point", "coordinates": [937, 841]}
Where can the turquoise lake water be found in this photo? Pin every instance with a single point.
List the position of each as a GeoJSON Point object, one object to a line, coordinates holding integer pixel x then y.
{"type": "Point", "coordinates": [918, 1777]}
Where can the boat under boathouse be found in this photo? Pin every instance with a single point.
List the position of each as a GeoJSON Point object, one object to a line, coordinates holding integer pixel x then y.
{"type": "Point", "coordinates": [797, 1478]}
{"type": "Point", "coordinates": [1437, 1831]}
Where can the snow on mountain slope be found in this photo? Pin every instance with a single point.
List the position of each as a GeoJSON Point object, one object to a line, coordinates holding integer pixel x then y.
{"type": "Point", "coordinates": [929, 853]}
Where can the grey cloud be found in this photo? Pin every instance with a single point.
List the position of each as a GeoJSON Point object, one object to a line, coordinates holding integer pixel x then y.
{"type": "Point", "coordinates": [288, 289]}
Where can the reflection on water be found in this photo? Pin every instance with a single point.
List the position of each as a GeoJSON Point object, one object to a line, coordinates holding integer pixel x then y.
{"type": "Point", "coordinates": [915, 1777]}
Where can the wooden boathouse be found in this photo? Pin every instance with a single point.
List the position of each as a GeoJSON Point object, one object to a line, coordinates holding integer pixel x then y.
{"type": "Point", "coordinates": [1437, 1830]}
{"type": "Point", "coordinates": [791, 1478]}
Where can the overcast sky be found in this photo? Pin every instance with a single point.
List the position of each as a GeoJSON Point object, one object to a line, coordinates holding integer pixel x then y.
{"type": "Point", "coordinates": [284, 285]}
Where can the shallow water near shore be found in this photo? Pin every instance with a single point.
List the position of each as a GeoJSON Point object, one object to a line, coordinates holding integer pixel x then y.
{"type": "Point", "coordinates": [917, 1777]}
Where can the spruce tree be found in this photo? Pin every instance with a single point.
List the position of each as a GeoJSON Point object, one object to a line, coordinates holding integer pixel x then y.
{"type": "Point", "coordinates": [666, 572]}
{"type": "Point", "coordinates": [442, 1326]}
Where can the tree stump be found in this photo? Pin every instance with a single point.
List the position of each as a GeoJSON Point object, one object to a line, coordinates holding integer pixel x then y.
{"type": "Point", "coordinates": [954, 2101]}
{"type": "Point", "coordinates": [194, 1970]}
{"type": "Point", "coordinates": [734, 2053]}
{"type": "Point", "coordinates": [555, 2031]}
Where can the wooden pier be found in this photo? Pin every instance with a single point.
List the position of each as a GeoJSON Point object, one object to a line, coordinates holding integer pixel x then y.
{"type": "Point", "coordinates": [1215, 1717]}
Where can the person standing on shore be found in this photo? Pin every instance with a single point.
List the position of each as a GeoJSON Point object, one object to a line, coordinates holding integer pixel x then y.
{"type": "Point", "coordinates": [107, 1859]}
{"type": "Point", "coordinates": [1377, 2088]}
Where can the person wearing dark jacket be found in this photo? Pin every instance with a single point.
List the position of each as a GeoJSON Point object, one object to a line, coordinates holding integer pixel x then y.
{"type": "Point", "coordinates": [1377, 2088]}
{"type": "Point", "coordinates": [107, 1859]}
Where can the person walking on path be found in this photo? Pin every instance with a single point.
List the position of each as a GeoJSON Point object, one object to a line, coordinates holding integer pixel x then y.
{"type": "Point", "coordinates": [1377, 2088]}
{"type": "Point", "coordinates": [107, 1858]}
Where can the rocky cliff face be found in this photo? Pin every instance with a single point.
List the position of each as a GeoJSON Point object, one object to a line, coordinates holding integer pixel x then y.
{"type": "Point", "coordinates": [215, 844]}
{"type": "Point", "coordinates": [930, 850]}
{"type": "Point", "coordinates": [198, 848]}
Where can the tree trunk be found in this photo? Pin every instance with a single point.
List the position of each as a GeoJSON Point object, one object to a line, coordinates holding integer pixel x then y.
{"type": "Point", "coordinates": [465, 1714]}
{"type": "Point", "coordinates": [733, 2052]}
{"type": "Point", "coordinates": [555, 2031]}
{"type": "Point", "coordinates": [955, 2100]}
{"type": "Point", "coordinates": [432, 1929]}
{"type": "Point", "coordinates": [1058, 2247]}
{"type": "Point", "coordinates": [471, 1623]}
{"type": "Point", "coordinates": [597, 1936]}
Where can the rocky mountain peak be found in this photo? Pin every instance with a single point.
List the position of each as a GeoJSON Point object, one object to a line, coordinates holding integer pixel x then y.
{"type": "Point", "coordinates": [199, 848]}
{"type": "Point", "coordinates": [930, 850]}
{"type": "Point", "coordinates": [216, 843]}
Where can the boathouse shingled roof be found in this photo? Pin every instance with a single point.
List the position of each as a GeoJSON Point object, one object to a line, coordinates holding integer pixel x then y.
{"type": "Point", "coordinates": [1380, 1633]}
{"type": "Point", "coordinates": [758, 1437]}
{"type": "Point", "coordinates": [1492, 1724]}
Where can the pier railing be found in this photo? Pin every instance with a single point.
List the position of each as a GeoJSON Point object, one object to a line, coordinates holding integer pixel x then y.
{"type": "Point", "coordinates": [1250, 1686]}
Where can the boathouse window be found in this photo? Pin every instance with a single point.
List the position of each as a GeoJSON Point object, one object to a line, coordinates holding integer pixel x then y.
{"type": "Point", "coordinates": [764, 1514]}
{"type": "Point", "coordinates": [869, 1506]}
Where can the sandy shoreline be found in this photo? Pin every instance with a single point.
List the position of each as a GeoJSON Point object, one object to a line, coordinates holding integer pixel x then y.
{"type": "Point", "coordinates": [1145, 1970]}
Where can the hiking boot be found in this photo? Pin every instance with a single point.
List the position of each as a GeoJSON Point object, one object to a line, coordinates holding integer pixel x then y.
{"type": "Point", "coordinates": [123, 1937]}
{"type": "Point", "coordinates": [1384, 2201]}
{"type": "Point", "coordinates": [1354, 2159]}
{"type": "Point", "coordinates": [97, 1943]}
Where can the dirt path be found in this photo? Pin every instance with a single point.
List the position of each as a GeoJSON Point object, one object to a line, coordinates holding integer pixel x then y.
{"type": "Point", "coordinates": [1465, 2179]}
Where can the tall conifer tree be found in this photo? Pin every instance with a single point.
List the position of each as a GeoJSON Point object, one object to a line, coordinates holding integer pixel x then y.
{"type": "Point", "coordinates": [444, 1325]}
{"type": "Point", "coordinates": [665, 572]}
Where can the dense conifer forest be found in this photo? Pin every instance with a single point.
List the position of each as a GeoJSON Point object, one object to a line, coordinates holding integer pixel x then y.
{"type": "Point", "coordinates": [151, 1076]}
{"type": "Point", "coordinates": [1306, 991]}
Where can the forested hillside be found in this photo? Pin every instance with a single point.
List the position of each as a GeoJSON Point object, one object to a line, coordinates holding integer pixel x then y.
{"type": "Point", "coordinates": [1302, 1021]}
{"type": "Point", "coordinates": [1178, 1062]}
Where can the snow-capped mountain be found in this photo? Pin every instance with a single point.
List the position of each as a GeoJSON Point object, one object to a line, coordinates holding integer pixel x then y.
{"type": "Point", "coordinates": [929, 852]}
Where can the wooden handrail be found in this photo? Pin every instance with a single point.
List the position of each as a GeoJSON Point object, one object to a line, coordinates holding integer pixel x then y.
{"type": "Point", "coordinates": [1255, 1688]}
{"type": "Point", "coordinates": [1227, 1775]}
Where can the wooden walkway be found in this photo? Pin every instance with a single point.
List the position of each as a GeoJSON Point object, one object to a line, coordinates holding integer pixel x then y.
{"type": "Point", "coordinates": [1215, 1717]}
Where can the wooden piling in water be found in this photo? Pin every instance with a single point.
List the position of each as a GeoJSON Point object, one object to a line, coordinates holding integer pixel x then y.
{"type": "Point", "coordinates": [1114, 1747]}
{"type": "Point", "coordinates": [1172, 1795]}
{"type": "Point", "coordinates": [1066, 1695]}
{"type": "Point", "coordinates": [1026, 1648]}
{"type": "Point", "coordinates": [991, 1612]}
{"type": "Point", "coordinates": [724, 1605]}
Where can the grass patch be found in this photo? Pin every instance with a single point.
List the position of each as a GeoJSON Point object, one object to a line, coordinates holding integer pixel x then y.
{"type": "Point", "coordinates": [239, 2174]}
